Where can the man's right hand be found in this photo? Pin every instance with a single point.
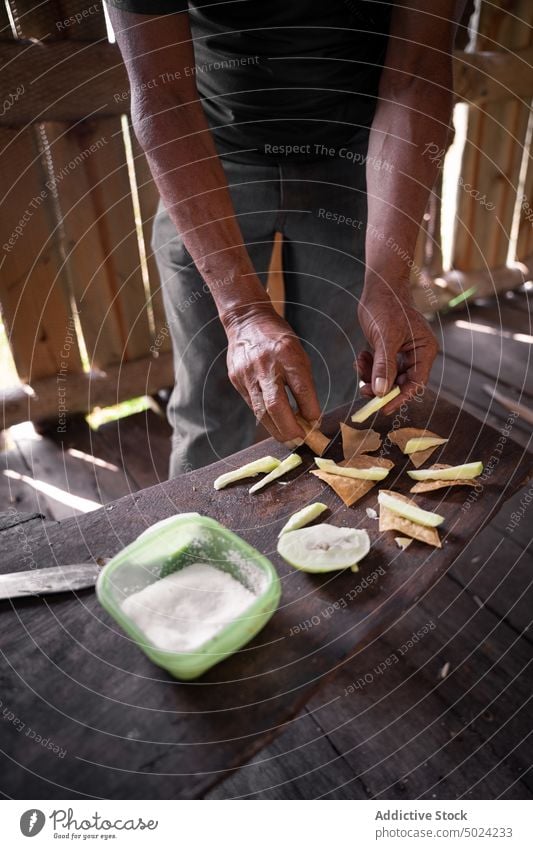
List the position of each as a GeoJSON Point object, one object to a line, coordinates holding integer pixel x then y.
{"type": "Point", "coordinates": [264, 357]}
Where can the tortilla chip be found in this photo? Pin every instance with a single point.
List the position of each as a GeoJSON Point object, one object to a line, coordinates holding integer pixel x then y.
{"type": "Point", "coordinates": [430, 486]}
{"type": "Point", "coordinates": [362, 461]}
{"type": "Point", "coordinates": [314, 438]}
{"type": "Point", "coordinates": [401, 437]}
{"type": "Point", "coordinates": [389, 521]}
{"type": "Point", "coordinates": [349, 490]}
{"type": "Point", "coordinates": [356, 441]}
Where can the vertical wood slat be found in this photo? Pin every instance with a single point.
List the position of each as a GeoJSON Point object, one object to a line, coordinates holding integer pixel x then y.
{"type": "Point", "coordinates": [524, 241]}
{"type": "Point", "coordinates": [99, 227]}
{"type": "Point", "coordinates": [493, 150]}
{"type": "Point", "coordinates": [105, 267]}
{"type": "Point", "coordinates": [32, 292]}
{"type": "Point", "coordinates": [115, 222]}
{"type": "Point", "coordinates": [33, 296]}
{"type": "Point", "coordinates": [95, 208]}
{"type": "Point", "coordinates": [104, 329]}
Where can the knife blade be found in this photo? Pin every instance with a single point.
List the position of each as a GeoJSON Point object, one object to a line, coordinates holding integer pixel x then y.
{"type": "Point", "coordinates": [55, 579]}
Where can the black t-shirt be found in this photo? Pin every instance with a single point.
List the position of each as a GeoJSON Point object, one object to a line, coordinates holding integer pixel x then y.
{"type": "Point", "coordinates": [286, 77]}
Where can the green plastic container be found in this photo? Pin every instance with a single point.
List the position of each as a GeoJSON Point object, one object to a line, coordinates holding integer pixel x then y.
{"type": "Point", "coordinates": [170, 545]}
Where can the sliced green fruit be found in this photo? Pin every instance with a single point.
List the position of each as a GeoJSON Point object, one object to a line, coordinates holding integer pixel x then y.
{"type": "Point", "coordinates": [250, 470]}
{"type": "Point", "coordinates": [375, 473]}
{"type": "Point", "coordinates": [455, 473]}
{"type": "Point", "coordinates": [374, 405]}
{"type": "Point", "coordinates": [303, 517]}
{"type": "Point", "coordinates": [285, 466]}
{"type": "Point", "coordinates": [324, 548]}
{"type": "Point", "coordinates": [422, 443]}
{"type": "Point", "coordinates": [409, 511]}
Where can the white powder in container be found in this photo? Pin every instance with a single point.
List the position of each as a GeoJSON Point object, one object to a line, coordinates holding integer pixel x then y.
{"type": "Point", "coordinates": [182, 611]}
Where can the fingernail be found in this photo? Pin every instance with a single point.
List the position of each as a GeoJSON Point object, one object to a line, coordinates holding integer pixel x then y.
{"type": "Point", "coordinates": [293, 443]}
{"type": "Point", "coordinates": [380, 386]}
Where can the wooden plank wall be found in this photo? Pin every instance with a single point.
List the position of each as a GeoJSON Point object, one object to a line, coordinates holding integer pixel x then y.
{"type": "Point", "coordinates": [85, 245]}
{"type": "Point", "coordinates": [494, 149]}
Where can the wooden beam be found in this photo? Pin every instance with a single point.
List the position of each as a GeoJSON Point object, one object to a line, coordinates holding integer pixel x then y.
{"type": "Point", "coordinates": [488, 281]}
{"type": "Point", "coordinates": [98, 83]}
{"type": "Point", "coordinates": [61, 395]}
{"type": "Point", "coordinates": [487, 76]}
{"type": "Point", "coordinates": [62, 80]}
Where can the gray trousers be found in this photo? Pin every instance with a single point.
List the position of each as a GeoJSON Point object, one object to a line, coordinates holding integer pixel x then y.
{"type": "Point", "coordinates": [320, 208]}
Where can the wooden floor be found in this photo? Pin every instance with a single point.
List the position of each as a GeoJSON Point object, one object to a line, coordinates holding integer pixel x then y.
{"type": "Point", "coordinates": [439, 707]}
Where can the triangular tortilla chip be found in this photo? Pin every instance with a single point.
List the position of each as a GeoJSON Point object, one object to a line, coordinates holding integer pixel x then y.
{"type": "Point", "coordinates": [389, 521]}
{"type": "Point", "coordinates": [401, 437]}
{"type": "Point", "coordinates": [314, 438]}
{"type": "Point", "coordinates": [356, 441]}
{"type": "Point", "coordinates": [349, 489]}
{"type": "Point", "coordinates": [361, 461]}
{"type": "Point", "coordinates": [430, 486]}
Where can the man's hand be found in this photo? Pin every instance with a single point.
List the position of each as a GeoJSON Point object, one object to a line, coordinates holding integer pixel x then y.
{"type": "Point", "coordinates": [403, 344]}
{"type": "Point", "coordinates": [414, 107]}
{"type": "Point", "coordinates": [264, 357]}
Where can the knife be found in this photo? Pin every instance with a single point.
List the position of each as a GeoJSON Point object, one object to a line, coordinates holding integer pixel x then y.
{"type": "Point", "coordinates": [56, 579]}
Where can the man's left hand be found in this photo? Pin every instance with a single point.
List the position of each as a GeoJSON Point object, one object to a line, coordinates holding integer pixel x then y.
{"type": "Point", "coordinates": [403, 345]}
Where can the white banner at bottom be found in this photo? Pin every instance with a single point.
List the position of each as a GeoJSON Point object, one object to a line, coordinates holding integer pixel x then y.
{"type": "Point", "coordinates": [264, 824]}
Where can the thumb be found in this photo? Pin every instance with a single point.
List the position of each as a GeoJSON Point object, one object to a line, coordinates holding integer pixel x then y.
{"type": "Point", "coordinates": [384, 369]}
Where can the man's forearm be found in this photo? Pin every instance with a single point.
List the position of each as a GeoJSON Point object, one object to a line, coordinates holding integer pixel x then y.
{"type": "Point", "coordinates": [190, 178]}
{"type": "Point", "coordinates": [399, 175]}
{"type": "Point", "coordinates": [172, 128]}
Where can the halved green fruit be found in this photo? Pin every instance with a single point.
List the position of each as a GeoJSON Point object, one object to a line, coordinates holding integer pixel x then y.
{"type": "Point", "coordinates": [324, 548]}
{"type": "Point", "coordinates": [422, 443]}
{"type": "Point", "coordinates": [285, 466]}
{"type": "Point", "coordinates": [250, 470]}
{"type": "Point", "coordinates": [303, 517]}
{"type": "Point", "coordinates": [409, 511]}
{"type": "Point", "coordinates": [374, 405]}
{"type": "Point", "coordinates": [375, 473]}
{"type": "Point", "coordinates": [455, 473]}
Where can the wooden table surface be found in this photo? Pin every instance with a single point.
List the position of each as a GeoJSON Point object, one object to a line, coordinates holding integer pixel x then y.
{"type": "Point", "coordinates": [85, 713]}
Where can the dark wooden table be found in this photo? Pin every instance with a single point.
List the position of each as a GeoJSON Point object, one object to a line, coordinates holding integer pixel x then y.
{"type": "Point", "coordinates": [85, 714]}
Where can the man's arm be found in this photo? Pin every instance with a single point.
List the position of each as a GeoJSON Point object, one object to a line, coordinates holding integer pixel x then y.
{"type": "Point", "coordinates": [264, 354]}
{"type": "Point", "coordinates": [414, 109]}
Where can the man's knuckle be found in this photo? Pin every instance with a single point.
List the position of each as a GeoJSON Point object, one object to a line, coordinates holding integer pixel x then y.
{"type": "Point", "coordinates": [273, 404]}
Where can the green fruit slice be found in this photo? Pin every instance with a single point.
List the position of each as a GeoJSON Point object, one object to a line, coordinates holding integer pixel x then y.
{"type": "Point", "coordinates": [303, 517]}
{"type": "Point", "coordinates": [422, 443]}
{"type": "Point", "coordinates": [375, 473]}
{"type": "Point", "coordinates": [250, 470]}
{"type": "Point", "coordinates": [466, 471]}
{"type": "Point", "coordinates": [409, 511]}
{"type": "Point", "coordinates": [286, 465]}
{"type": "Point", "coordinates": [324, 548]}
{"type": "Point", "coordinates": [374, 405]}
